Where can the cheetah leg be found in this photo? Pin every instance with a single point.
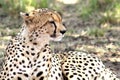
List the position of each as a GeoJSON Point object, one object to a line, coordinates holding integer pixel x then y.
{"type": "Point", "coordinates": [16, 76]}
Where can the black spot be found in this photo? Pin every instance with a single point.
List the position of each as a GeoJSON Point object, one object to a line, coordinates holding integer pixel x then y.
{"type": "Point", "coordinates": [20, 50]}
{"type": "Point", "coordinates": [26, 75]}
{"type": "Point", "coordinates": [66, 69]}
{"type": "Point", "coordinates": [114, 79]}
{"type": "Point", "coordinates": [89, 71]}
{"type": "Point", "coordinates": [23, 61]}
{"type": "Point", "coordinates": [78, 79]}
{"type": "Point", "coordinates": [39, 74]}
{"type": "Point", "coordinates": [18, 56]}
{"type": "Point", "coordinates": [48, 65]}
{"type": "Point", "coordinates": [20, 63]}
{"type": "Point", "coordinates": [80, 61]}
{"type": "Point", "coordinates": [11, 69]}
{"type": "Point", "coordinates": [85, 64]}
{"type": "Point", "coordinates": [66, 66]}
{"type": "Point", "coordinates": [30, 40]}
{"type": "Point", "coordinates": [14, 73]}
{"type": "Point", "coordinates": [32, 54]}
{"type": "Point", "coordinates": [8, 79]}
{"type": "Point", "coordinates": [67, 73]}
{"type": "Point", "coordinates": [51, 75]}
{"type": "Point", "coordinates": [35, 69]}
{"type": "Point", "coordinates": [36, 35]}
{"type": "Point", "coordinates": [46, 45]}
{"type": "Point", "coordinates": [43, 57]}
{"type": "Point", "coordinates": [84, 58]}
{"type": "Point", "coordinates": [43, 65]}
{"type": "Point", "coordinates": [79, 65]}
{"type": "Point", "coordinates": [4, 73]}
{"type": "Point", "coordinates": [6, 68]}
{"type": "Point", "coordinates": [20, 43]}
{"type": "Point", "coordinates": [23, 46]}
{"type": "Point", "coordinates": [73, 69]}
{"type": "Point", "coordinates": [84, 68]}
{"type": "Point", "coordinates": [53, 72]}
{"type": "Point", "coordinates": [33, 79]}
{"type": "Point", "coordinates": [91, 60]}
{"type": "Point", "coordinates": [22, 54]}
{"type": "Point", "coordinates": [59, 74]}
{"type": "Point", "coordinates": [44, 50]}
{"type": "Point", "coordinates": [75, 73]}
{"type": "Point", "coordinates": [10, 60]}
{"type": "Point", "coordinates": [10, 65]}
{"type": "Point", "coordinates": [90, 67]}
{"type": "Point", "coordinates": [86, 75]}
{"type": "Point", "coordinates": [95, 78]}
{"type": "Point", "coordinates": [64, 77]}
{"type": "Point", "coordinates": [7, 74]}
{"type": "Point", "coordinates": [11, 76]}
{"type": "Point", "coordinates": [34, 43]}
{"type": "Point", "coordinates": [92, 64]}
{"type": "Point", "coordinates": [73, 61]}
{"type": "Point", "coordinates": [19, 78]}
{"type": "Point", "coordinates": [17, 67]}
{"type": "Point", "coordinates": [24, 66]}
{"type": "Point", "coordinates": [71, 76]}
{"type": "Point", "coordinates": [83, 78]}
{"type": "Point", "coordinates": [10, 53]}
{"type": "Point", "coordinates": [38, 66]}
{"type": "Point", "coordinates": [32, 49]}
{"type": "Point", "coordinates": [56, 78]}
{"type": "Point", "coordinates": [41, 78]}
{"type": "Point", "coordinates": [27, 52]}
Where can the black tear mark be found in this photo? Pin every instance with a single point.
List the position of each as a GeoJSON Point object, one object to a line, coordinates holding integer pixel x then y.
{"type": "Point", "coordinates": [54, 33]}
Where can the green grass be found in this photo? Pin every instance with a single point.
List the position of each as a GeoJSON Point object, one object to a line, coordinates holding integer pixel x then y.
{"type": "Point", "coordinates": [112, 15]}
{"type": "Point", "coordinates": [109, 10]}
{"type": "Point", "coordinates": [15, 6]}
{"type": "Point", "coordinates": [11, 32]}
{"type": "Point", "coordinates": [89, 9]}
{"type": "Point", "coordinates": [96, 32]}
{"type": "Point", "coordinates": [1, 54]}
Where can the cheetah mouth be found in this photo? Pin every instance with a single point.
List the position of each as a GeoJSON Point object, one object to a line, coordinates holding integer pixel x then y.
{"type": "Point", "coordinates": [57, 38]}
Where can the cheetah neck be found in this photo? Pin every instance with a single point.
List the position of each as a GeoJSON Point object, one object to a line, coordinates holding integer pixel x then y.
{"type": "Point", "coordinates": [38, 47]}
{"type": "Point", "coordinates": [37, 43]}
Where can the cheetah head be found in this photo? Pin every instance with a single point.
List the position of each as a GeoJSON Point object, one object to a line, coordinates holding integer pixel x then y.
{"type": "Point", "coordinates": [44, 22]}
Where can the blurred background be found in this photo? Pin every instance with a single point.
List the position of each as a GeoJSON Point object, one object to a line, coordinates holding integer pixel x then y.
{"type": "Point", "coordinates": [92, 26]}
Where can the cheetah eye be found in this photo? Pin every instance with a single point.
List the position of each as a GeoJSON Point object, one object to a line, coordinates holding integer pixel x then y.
{"type": "Point", "coordinates": [52, 22]}
{"type": "Point", "coordinates": [63, 24]}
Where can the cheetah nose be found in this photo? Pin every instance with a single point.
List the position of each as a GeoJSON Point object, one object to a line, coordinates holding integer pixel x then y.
{"type": "Point", "coordinates": [62, 31]}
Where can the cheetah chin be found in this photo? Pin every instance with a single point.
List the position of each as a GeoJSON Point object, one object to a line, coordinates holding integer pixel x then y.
{"type": "Point", "coordinates": [59, 38]}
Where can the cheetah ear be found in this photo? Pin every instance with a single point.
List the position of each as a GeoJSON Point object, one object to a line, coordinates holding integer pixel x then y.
{"type": "Point", "coordinates": [24, 15]}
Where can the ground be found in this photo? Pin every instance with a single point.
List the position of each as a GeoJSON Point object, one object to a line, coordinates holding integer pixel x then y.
{"type": "Point", "coordinates": [82, 34]}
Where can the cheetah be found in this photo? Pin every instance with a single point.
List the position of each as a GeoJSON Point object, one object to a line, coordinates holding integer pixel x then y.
{"type": "Point", "coordinates": [29, 56]}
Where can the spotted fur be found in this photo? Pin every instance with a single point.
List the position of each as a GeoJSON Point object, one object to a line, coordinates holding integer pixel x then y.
{"type": "Point", "coordinates": [29, 56]}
